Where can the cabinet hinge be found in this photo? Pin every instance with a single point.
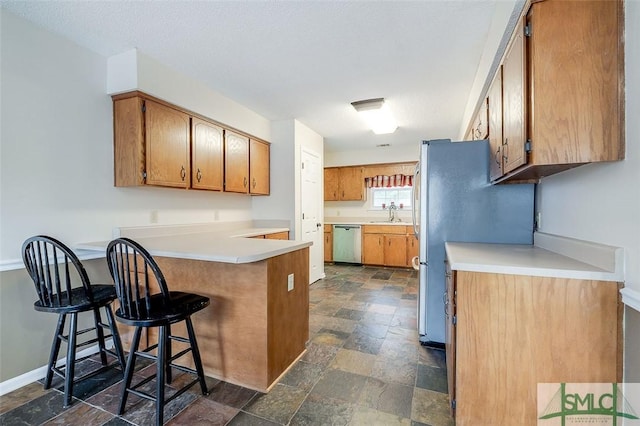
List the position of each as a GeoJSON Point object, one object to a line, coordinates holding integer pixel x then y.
{"type": "Point", "coordinates": [527, 30]}
{"type": "Point", "coordinates": [144, 176]}
{"type": "Point", "coordinates": [144, 107]}
{"type": "Point", "coordinates": [453, 404]}
{"type": "Point", "coordinates": [527, 145]}
{"type": "Point", "coordinates": [303, 165]}
{"type": "Point", "coordinates": [454, 319]}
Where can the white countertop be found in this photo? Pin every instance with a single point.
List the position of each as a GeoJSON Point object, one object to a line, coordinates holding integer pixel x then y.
{"type": "Point", "coordinates": [537, 261]}
{"type": "Point", "coordinates": [365, 221]}
{"type": "Point", "coordinates": [227, 246]}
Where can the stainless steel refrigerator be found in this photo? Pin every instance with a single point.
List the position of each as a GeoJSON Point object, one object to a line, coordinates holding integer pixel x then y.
{"type": "Point", "coordinates": [454, 201]}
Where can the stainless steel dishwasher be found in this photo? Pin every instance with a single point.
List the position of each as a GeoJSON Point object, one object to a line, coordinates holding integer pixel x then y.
{"type": "Point", "coordinates": [347, 244]}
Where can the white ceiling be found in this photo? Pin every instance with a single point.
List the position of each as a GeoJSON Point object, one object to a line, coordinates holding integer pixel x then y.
{"type": "Point", "coordinates": [309, 60]}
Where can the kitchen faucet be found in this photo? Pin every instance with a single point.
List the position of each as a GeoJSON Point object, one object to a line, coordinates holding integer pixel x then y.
{"type": "Point", "coordinates": [392, 212]}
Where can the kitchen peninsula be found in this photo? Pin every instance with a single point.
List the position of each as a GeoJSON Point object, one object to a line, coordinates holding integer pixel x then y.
{"type": "Point", "coordinates": [258, 322]}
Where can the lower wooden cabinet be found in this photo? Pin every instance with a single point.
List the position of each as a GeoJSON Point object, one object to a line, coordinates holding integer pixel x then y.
{"type": "Point", "coordinates": [384, 245]}
{"type": "Point", "coordinates": [328, 243]}
{"type": "Point", "coordinates": [507, 333]}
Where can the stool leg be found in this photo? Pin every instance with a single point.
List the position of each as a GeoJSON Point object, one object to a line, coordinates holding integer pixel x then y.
{"type": "Point", "coordinates": [196, 356]}
{"type": "Point", "coordinates": [128, 373]}
{"type": "Point", "coordinates": [168, 352]}
{"type": "Point", "coordinates": [71, 359]}
{"type": "Point", "coordinates": [160, 368]}
{"type": "Point", "coordinates": [55, 348]}
{"type": "Point", "coordinates": [117, 343]}
{"type": "Point", "coordinates": [100, 332]}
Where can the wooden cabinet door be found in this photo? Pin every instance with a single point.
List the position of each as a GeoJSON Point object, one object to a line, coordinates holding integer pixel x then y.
{"type": "Point", "coordinates": [373, 249]}
{"type": "Point", "coordinates": [128, 142]}
{"type": "Point", "coordinates": [206, 155]}
{"type": "Point", "coordinates": [395, 250]}
{"type": "Point", "coordinates": [328, 247]}
{"type": "Point", "coordinates": [331, 184]}
{"type": "Point", "coordinates": [259, 159]}
{"type": "Point", "coordinates": [236, 163]}
{"type": "Point", "coordinates": [413, 248]}
{"type": "Point", "coordinates": [495, 127]}
{"type": "Point", "coordinates": [450, 333]}
{"type": "Point", "coordinates": [167, 137]}
{"type": "Point", "coordinates": [481, 127]}
{"type": "Point", "coordinates": [513, 101]}
{"type": "Point", "coordinates": [351, 184]}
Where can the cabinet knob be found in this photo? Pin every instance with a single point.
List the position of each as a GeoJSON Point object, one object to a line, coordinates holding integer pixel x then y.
{"type": "Point", "coordinates": [183, 173]}
{"type": "Point", "coordinates": [498, 156]}
{"type": "Point", "coordinates": [244, 182]}
{"type": "Point", "coordinates": [254, 183]}
{"type": "Point", "coordinates": [505, 151]}
{"type": "Point", "coordinates": [199, 175]}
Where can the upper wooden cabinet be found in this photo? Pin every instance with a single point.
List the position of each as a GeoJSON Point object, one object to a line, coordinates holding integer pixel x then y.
{"type": "Point", "coordinates": [495, 126]}
{"type": "Point", "coordinates": [246, 165]}
{"type": "Point", "coordinates": [156, 143]}
{"type": "Point", "coordinates": [259, 158]}
{"type": "Point", "coordinates": [562, 90]}
{"type": "Point", "coordinates": [480, 128]}
{"type": "Point", "coordinates": [236, 163]}
{"type": "Point", "coordinates": [207, 155]}
{"type": "Point", "coordinates": [344, 184]}
{"type": "Point", "coordinates": [513, 101]}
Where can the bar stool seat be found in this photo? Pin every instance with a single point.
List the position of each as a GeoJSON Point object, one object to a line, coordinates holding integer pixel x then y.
{"type": "Point", "coordinates": [146, 302]}
{"type": "Point", "coordinates": [63, 288]}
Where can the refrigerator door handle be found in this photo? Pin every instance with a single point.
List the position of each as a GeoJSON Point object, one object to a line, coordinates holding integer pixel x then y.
{"type": "Point", "coordinates": [414, 202]}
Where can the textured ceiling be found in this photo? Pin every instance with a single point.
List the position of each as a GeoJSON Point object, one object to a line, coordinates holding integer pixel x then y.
{"type": "Point", "coordinates": [305, 60]}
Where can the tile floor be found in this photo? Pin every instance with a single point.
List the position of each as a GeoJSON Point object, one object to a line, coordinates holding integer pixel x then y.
{"type": "Point", "coordinates": [363, 366]}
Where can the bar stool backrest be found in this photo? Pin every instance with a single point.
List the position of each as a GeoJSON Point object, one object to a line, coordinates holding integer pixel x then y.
{"type": "Point", "coordinates": [137, 277]}
{"type": "Point", "coordinates": [55, 270]}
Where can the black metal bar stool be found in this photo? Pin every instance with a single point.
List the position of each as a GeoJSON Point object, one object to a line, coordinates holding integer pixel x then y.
{"type": "Point", "coordinates": [56, 272]}
{"type": "Point", "coordinates": [145, 301]}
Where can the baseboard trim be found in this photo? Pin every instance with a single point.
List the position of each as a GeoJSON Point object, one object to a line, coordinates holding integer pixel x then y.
{"type": "Point", "coordinates": [39, 373]}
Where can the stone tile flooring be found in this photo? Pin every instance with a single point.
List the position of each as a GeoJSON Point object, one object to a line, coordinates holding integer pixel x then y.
{"type": "Point", "coordinates": [363, 366]}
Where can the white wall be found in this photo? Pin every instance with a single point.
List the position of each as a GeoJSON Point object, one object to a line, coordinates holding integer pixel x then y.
{"type": "Point", "coordinates": [601, 202]}
{"type": "Point", "coordinates": [373, 155]}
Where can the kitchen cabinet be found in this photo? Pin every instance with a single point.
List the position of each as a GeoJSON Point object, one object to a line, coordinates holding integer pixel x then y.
{"type": "Point", "coordinates": [151, 144]}
{"type": "Point", "coordinates": [450, 336]}
{"type": "Point", "coordinates": [384, 245]}
{"type": "Point", "coordinates": [413, 248]}
{"type": "Point", "coordinates": [562, 90]}
{"type": "Point", "coordinates": [507, 333]}
{"type": "Point", "coordinates": [157, 143]}
{"type": "Point", "coordinates": [207, 155]}
{"type": "Point", "coordinates": [344, 184]}
{"type": "Point", "coordinates": [513, 92]}
{"type": "Point", "coordinates": [328, 243]}
{"type": "Point", "coordinates": [480, 128]}
{"type": "Point", "coordinates": [495, 126]}
{"type": "Point", "coordinates": [278, 236]}
{"type": "Point", "coordinates": [236, 163]}
{"type": "Point", "coordinates": [259, 159]}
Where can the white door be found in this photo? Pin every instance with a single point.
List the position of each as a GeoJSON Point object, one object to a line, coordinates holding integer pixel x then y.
{"type": "Point", "coordinates": [312, 228]}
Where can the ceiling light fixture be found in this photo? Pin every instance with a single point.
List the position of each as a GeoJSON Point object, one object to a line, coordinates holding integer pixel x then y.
{"type": "Point", "coordinates": [377, 115]}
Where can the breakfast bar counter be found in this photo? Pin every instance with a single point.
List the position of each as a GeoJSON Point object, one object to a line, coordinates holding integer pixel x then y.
{"type": "Point", "coordinates": [257, 324]}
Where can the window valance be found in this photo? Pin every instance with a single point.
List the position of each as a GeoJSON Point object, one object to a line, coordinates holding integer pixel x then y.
{"type": "Point", "coordinates": [382, 181]}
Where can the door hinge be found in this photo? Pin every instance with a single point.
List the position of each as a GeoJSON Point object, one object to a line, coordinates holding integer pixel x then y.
{"type": "Point", "coordinates": [454, 319]}
{"type": "Point", "coordinates": [527, 145]}
{"type": "Point", "coordinates": [303, 165]}
{"type": "Point", "coordinates": [527, 30]}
